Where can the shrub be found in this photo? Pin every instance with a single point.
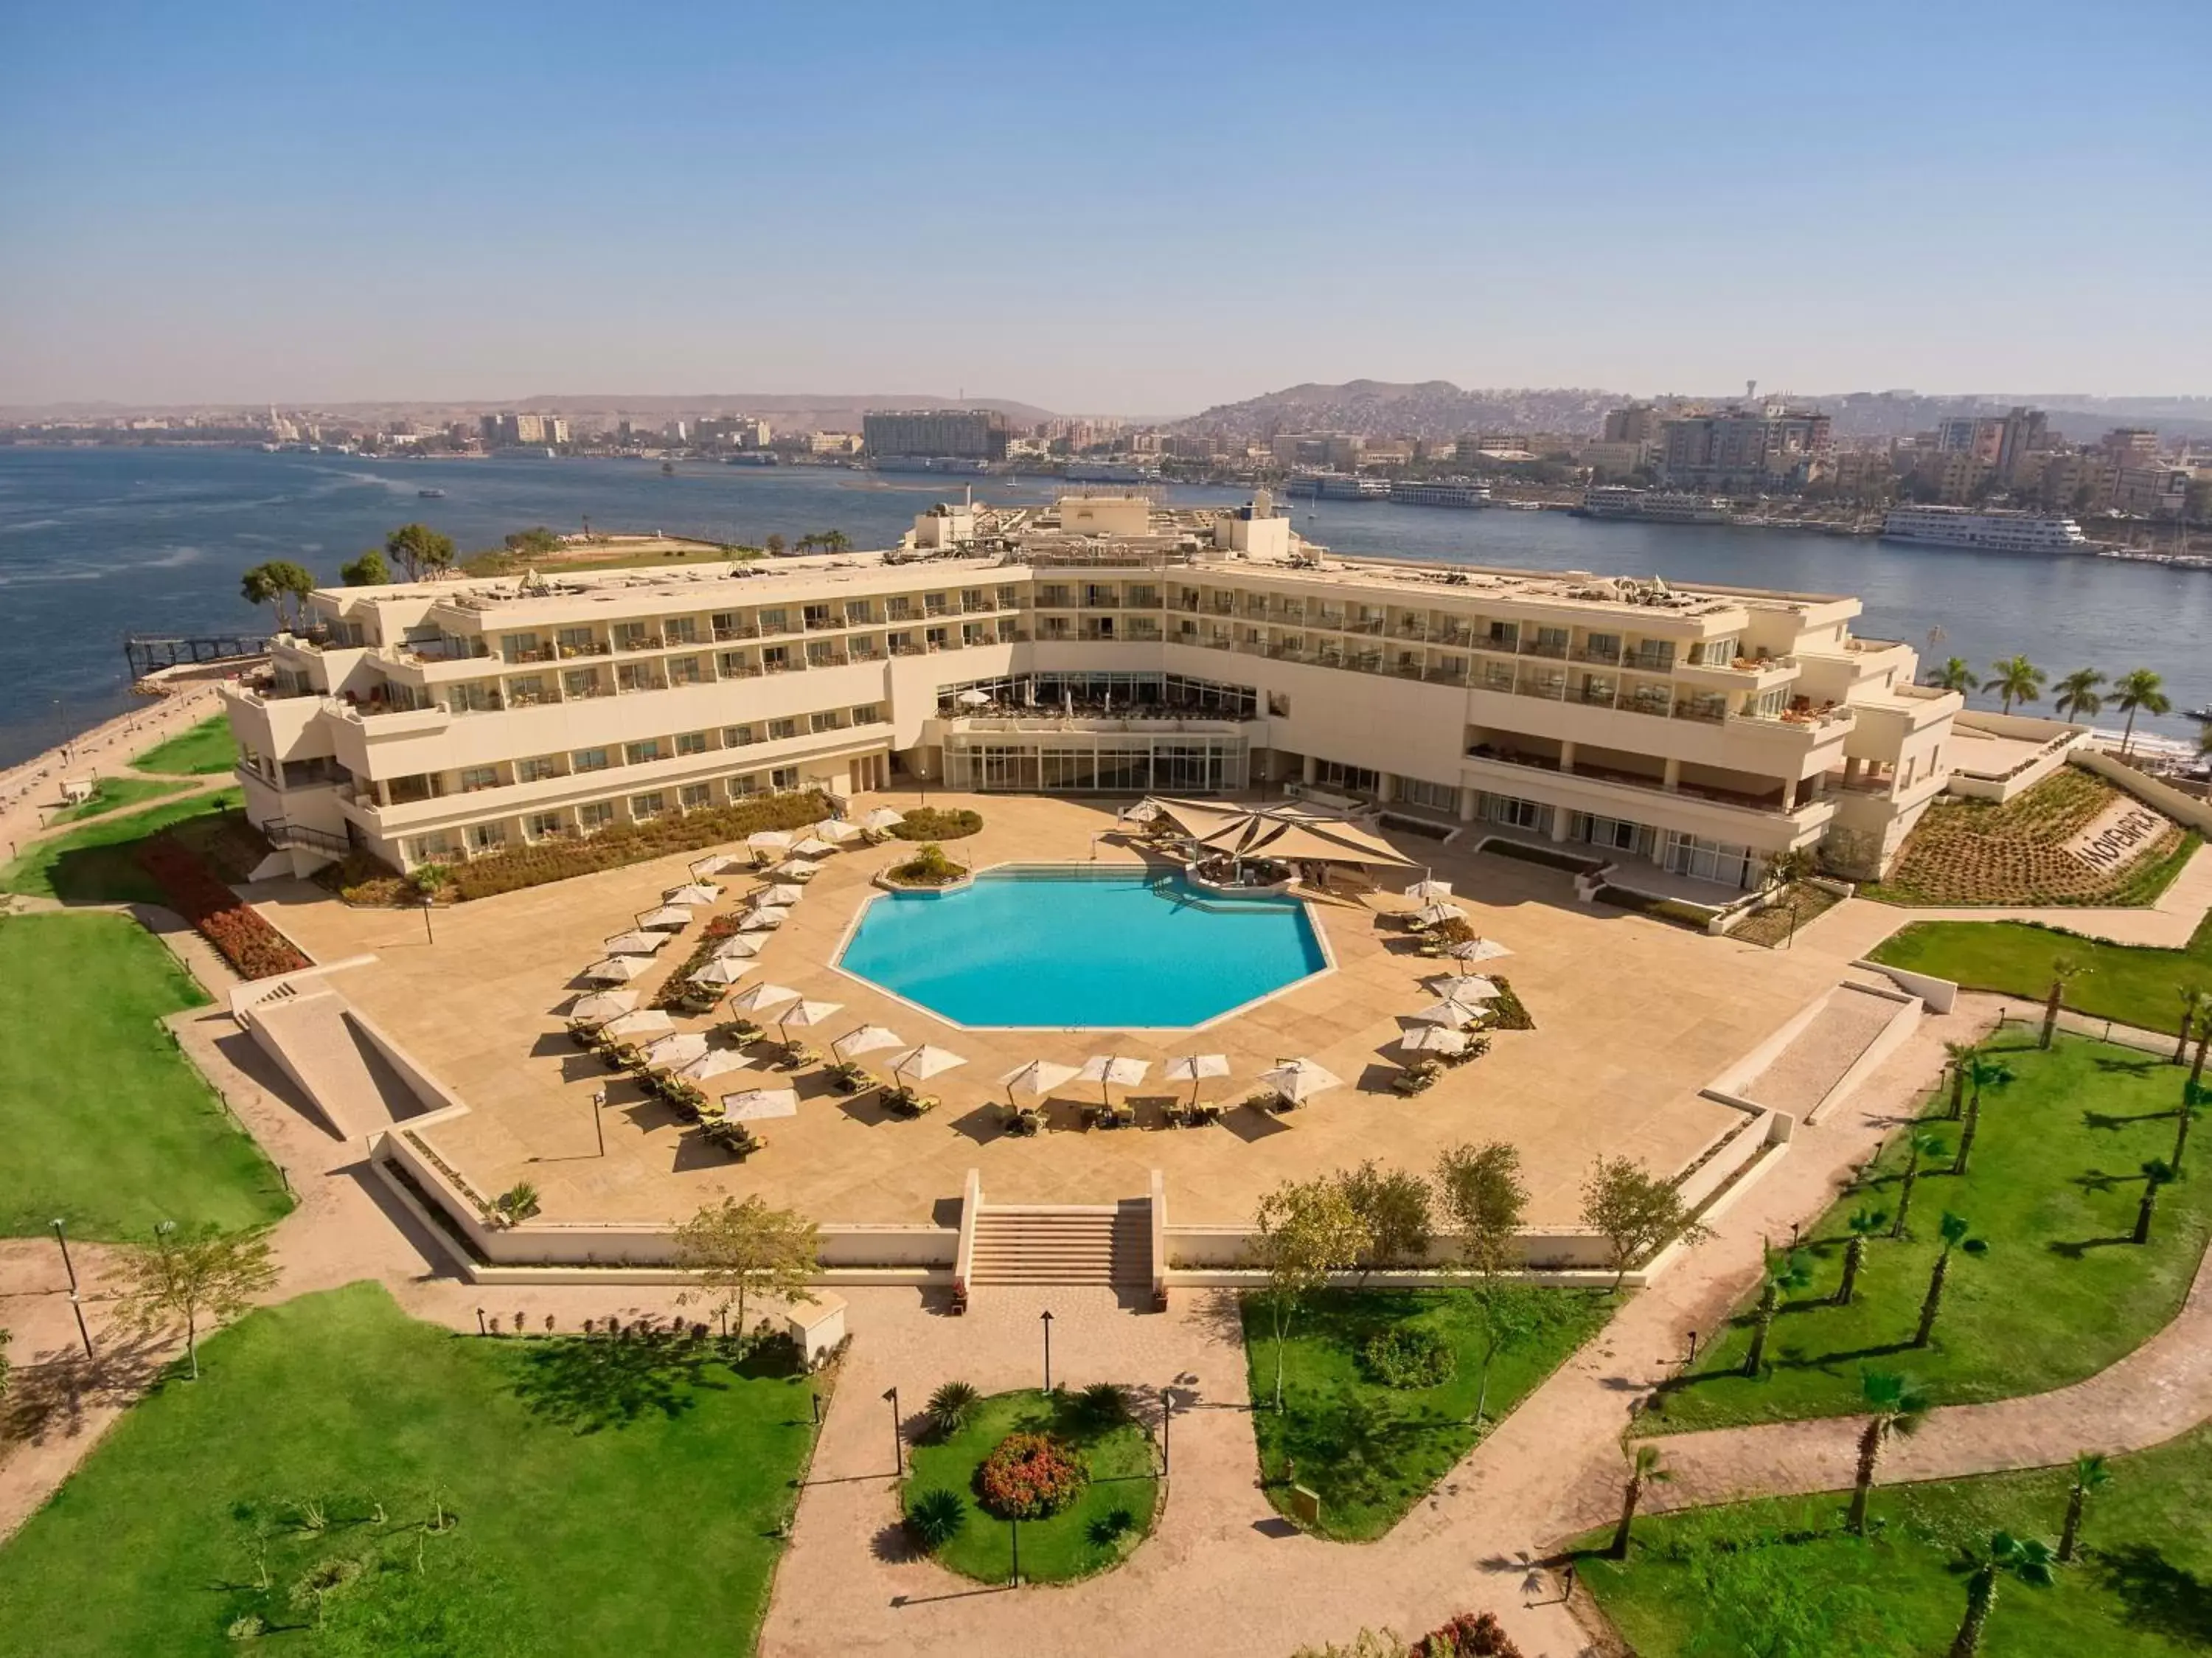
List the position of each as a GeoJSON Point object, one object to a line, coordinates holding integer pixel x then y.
{"type": "Point", "coordinates": [361, 878]}
{"type": "Point", "coordinates": [1102, 1404]}
{"type": "Point", "coordinates": [951, 1408]}
{"type": "Point", "coordinates": [1031, 1476]}
{"type": "Point", "coordinates": [1409, 1356]}
{"type": "Point", "coordinates": [935, 1518]}
{"type": "Point", "coordinates": [1470, 1635]}
{"type": "Point", "coordinates": [929, 868]}
{"type": "Point", "coordinates": [253, 948]}
{"type": "Point", "coordinates": [1507, 1012]}
{"type": "Point", "coordinates": [934, 823]}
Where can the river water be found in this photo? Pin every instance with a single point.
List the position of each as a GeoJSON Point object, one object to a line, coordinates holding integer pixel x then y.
{"type": "Point", "coordinates": [98, 543]}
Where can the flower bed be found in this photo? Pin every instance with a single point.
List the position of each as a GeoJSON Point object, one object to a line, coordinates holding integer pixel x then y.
{"type": "Point", "coordinates": [633, 843]}
{"type": "Point", "coordinates": [718, 931]}
{"type": "Point", "coordinates": [1031, 1477]}
{"type": "Point", "coordinates": [253, 948]}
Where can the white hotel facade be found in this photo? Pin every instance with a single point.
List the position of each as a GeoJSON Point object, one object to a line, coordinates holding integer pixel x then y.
{"type": "Point", "coordinates": [1123, 649]}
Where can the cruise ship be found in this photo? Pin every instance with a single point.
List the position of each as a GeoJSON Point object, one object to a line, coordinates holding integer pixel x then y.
{"type": "Point", "coordinates": [1341, 486]}
{"type": "Point", "coordinates": [1659, 506]}
{"type": "Point", "coordinates": [1993, 531]}
{"type": "Point", "coordinates": [1408, 493]}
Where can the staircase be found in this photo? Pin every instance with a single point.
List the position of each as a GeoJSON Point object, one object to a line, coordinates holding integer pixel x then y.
{"type": "Point", "coordinates": [1062, 1243]}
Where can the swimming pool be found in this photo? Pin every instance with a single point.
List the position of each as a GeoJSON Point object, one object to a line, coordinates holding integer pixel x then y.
{"type": "Point", "coordinates": [1061, 946]}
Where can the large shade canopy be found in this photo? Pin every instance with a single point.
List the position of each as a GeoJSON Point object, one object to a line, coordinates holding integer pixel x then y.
{"type": "Point", "coordinates": [715, 1062]}
{"type": "Point", "coordinates": [836, 831]}
{"type": "Point", "coordinates": [766, 916]}
{"type": "Point", "coordinates": [924, 1062]}
{"type": "Point", "coordinates": [1143, 812]}
{"type": "Point", "coordinates": [812, 847]}
{"type": "Point", "coordinates": [645, 1022]}
{"type": "Point", "coordinates": [881, 819]}
{"type": "Point", "coordinates": [601, 1006]}
{"type": "Point", "coordinates": [782, 895]}
{"type": "Point", "coordinates": [636, 943]}
{"type": "Point", "coordinates": [1301, 1079]}
{"type": "Point", "coordinates": [1435, 915]}
{"type": "Point", "coordinates": [1038, 1076]}
{"type": "Point", "coordinates": [1429, 887]}
{"type": "Point", "coordinates": [866, 1039]}
{"type": "Point", "coordinates": [696, 891]}
{"type": "Point", "coordinates": [1433, 1039]}
{"type": "Point", "coordinates": [754, 1104]}
{"type": "Point", "coordinates": [769, 840]}
{"type": "Point", "coordinates": [615, 970]}
{"type": "Point", "coordinates": [722, 970]}
{"type": "Point", "coordinates": [669, 917]}
{"type": "Point", "coordinates": [681, 1049]}
{"type": "Point", "coordinates": [1280, 829]}
{"type": "Point", "coordinates": [762, 996]}
{"type": "Point", "coordinates": [737, 948]}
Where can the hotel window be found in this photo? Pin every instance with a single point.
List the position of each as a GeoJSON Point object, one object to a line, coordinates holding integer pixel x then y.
{"type": "Point", "coordinates": [779, 729]}
{"type": "Point", "coordinates": [867, 713]}
{"type": "Point", "coordinates": [1770, 704]}
{"type": "Point", "coordinates": [474, 777]}
{"type": "Point", "coordinates": [1603, 647]}
{"type": "Point", "coordinates": [822, 653]}
{"type": "Point", "coordinates": [580, 682]}
{"type": "Point", "coordinates": [1505, 635]}
{"type": "Point", "coordinates": [818, 616]}
{"type": "Point", "coordinates": [1654, 655]}
{"type": "Point", "coordinates": [743, 786]}
{"type": "Point", "coordinates": [486, 836]}
{"type": "Point", "coordinates": [526, 691]}
{"type": "Point", "coordinates": [691, 742]}
{"type": "Point", "coordinates": [828, 720]}
{"type": "Point", "coordinates": [1714, 653]}
{"type": "Point", "coordinates": [774, 621]}
{"type": "Point", "coordinates": [577, 642]}
{"type": "Point", "coordinates": [471, 698]}
{"type": "Point", "coordinates": [979, 633]}
{"type": "Point", "coordinates": [693, 795]}
{"type": "Point", "coordinates": [738, 737]}
{"type": "Point", "coordinates": [638, 676]}
{"type": "Point", "coordinates": [933, 637]}
{"type": "Point", "coordinates": [776, 659]}
{"type": "Point", "coordinates": [973, 599]}
{"type": "Point", "coordinates": [683, 629]}
{"type": "Point", "coordinates": [590, 760]}
{"type": "Point", "coordinates": [726, 624]}
{"type": "Point", "coordinates": [784, 778]}
{"type": "Point", "coordinates": [898, 607]}
{"type": "Point", "coordinates": [596, 815]}
{"type": "Point", "coordinates": [860, 610]}
{"type": "Point", "coordinates": [519, 647]}
{"type": "Point", "coordinates": [1517, 813]}
{"type": "Point", "coordinates": [645, 753]}
{"type": "Point", "coordinates": [1552, 640]}
{"type": "Point", "coordinates": [933, 604]}
{"type": "Point", "coordinates": [1335, 774]}
{"type": "Point", "coordinates": [1009, 598]}
{"type": "Point", "coordinates": [633, 636]}
{"type": "Point", "coordinates": [685, 670]}
{"type": "Point", "coordinates": [541, 826]}
{"type": "Point", "coordinates": [732, 665]}
{"type": "Point", "coordinates": [1435, 796]}
{"type": "Point", "coordinates": [648, 806]}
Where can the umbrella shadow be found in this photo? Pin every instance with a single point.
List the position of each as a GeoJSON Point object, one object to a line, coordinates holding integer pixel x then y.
{"type": "Point", "coordinates": [1253, 1123]}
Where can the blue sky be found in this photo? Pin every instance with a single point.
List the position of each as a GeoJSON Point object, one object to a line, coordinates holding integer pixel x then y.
{"type": "Point", "coordinates": [1135, 207]}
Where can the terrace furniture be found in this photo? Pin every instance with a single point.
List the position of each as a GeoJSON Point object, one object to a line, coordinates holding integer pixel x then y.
{"type": "Point", "coordinates": [1024, 1120]}
{"type": "Point", "coordinates": [1202, 1114]}
{"type": "Point", "coordinates": [739, 1141]}
{"type": "Point", "coordinates": [905, 1102]}
{"type": "Point", "coordinates": [1120, 1114]}
{"type": "Point", "coordinates": [797, 1055]}
{"type": "Point", "coordinates": [852, 1079]}
{"type": "Point", "coordinates": [743, 1032]}
{"type": "Point", "coordinates": [1417, 1078]}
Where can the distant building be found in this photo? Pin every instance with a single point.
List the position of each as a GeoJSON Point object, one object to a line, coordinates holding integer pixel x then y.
{"type": "Point", "coordinates": [2078, 480]}
{"type": "Point", "coordinates": [1956, 477]}
{"type": "Point", "coordinates": [507, 431]}
{"type": "Point", "coordinates": [951, 434]}
{"type": "Point", "coordinates": [2156, 490]}
{"type": "Point", "coordinates": [1617, 458]}
{"type": "Point", "coordinates": [1638, 423]}
{"type": "Point", "coordinates": [1739, 448]}
{"type": "Point", "coordinates": [2129, 445]}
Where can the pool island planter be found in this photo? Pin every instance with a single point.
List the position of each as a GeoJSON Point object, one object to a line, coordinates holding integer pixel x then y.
{"type": "Point", "coordinates": [891, 883]}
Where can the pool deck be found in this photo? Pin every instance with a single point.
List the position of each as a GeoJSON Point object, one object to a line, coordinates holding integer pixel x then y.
{"type": "Point", "coordinates": [1633, 1017]}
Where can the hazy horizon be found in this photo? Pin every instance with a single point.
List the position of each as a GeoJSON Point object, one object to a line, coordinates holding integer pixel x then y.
{"type": "Point", "coordinates": [1147, 213]}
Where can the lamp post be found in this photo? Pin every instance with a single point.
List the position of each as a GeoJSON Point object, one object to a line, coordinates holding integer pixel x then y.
{"type": "Point", "coordinates": [1047, 1350]}
{"type": "Point", "coordinates": [429, 903]}
{"type": "Point", "coordinates": [898, 1439]}
{"type": "Point", "coordinates": [76, 1305]}
{"type": "Point", "coordinates": [61, 1237]}
{"type": "Point", "coordinates": [599, 1125]}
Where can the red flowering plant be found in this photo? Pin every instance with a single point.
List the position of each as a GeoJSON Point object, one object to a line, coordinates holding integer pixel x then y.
{"type": "Point", "coordinates": [1031, 1477]}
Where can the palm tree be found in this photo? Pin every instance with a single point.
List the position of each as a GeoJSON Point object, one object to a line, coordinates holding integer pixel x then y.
{"type": "Point", "coordinates": [2016, 679]}
{"type": "Point", "coordinates": [1785, 1269]}
{"type": "Point", "coordinates": [1954, 675]}
{"type": "Point", "coordinates": [2193, 1096]}
{"type": "Point", "coordinates": [1922, 1145]}
{"type": "Point", "coordinates": [2140, 690]}
{"type": "Point", "coordinates": [1864, 1223]}
{"type": "Point", "coordinates": [2078, 697]}
{"type": "Point", "coordinates": [1954, 1231]}
{"type": "Point", "coordinates": [2192, 1001]}
{"type": "Point", "coordinates": [2090, 1474]}
{"type": "Point", "coordinates": [1962, 1055]}
{"type": "Point", "coordinates": [2025, 1558]}
{"type": "Point", "coordinates": [1894, 1405]}
{"type": "Point", "coordinates": [1644, 1468]}
{"type": "Point", "coordinates": [2156, 1174]}
{"type": "Point", "coordinates": [1995, 1073]}
{"type": "Point", "coordinates": [2064, 969]}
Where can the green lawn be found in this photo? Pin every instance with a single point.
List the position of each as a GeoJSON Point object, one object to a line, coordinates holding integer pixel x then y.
{"type": "Point", "coordinates": [2129, 983]}
{"type": "Point", "coordinates": [97, 863]}
{"type": "Point", "coordinates": [1372, 1452]}
{"type": "Point", "coordinates": [1097, 1531]}
{"type": "Point", "coordinates": [105, 1123]}
{"type": "Point", "coordinates": [2053, 1187]}
{"type": "Point", "coordinates": [1782, 1579]}
{"type": "Point", "coordinates": [113, 794]}
{"type": "Point", "coordinates": [612, 1497]}
{"type": "Point", "coordinates": [207, 748]}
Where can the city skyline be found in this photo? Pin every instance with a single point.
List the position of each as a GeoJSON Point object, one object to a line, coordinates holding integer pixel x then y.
{"type": "Point", "coordinates": [1148, 216]}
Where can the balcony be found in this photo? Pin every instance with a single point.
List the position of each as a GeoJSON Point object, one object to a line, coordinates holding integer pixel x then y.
{"type": "Point", "coordinates": [1557, 651]}
{"type": "Point", "coordinates": [534, 653]}
{"type": "Point", "coordinates": [823, 623]}
{"type": "Point", "coordinates": [740, 630]}
{"type": "Point", "coordinates": [641, 642]}
{"type": "Point", "coordinates": [784, 668]}
{"type": "Point", "coordinates": [908, 648]}
{"type": "Point", "coordinates": [1371, 626]}
{"type": "Point", "coordinates": [1600, 658]}
{"type": "Point", "coordinates": [592, 648]}
{"type": "Point", "coordinates": [1439, 675]}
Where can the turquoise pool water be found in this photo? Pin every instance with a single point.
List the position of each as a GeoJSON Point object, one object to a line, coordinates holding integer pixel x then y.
{"type": "Point", "coordinates": [1062, 946]}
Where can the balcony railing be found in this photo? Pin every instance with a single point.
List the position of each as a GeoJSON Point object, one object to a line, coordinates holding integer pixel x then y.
{"type": "Point", "coordinates": [738, 630]}
{"type": "Point", "coordinates": [641, 642]}
{"type": "Point", "coordinates": [1557, 652]}
{"type": "Point", "coordinates": [594, 648]}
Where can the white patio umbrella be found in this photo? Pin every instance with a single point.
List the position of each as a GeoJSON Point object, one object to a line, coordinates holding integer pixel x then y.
{"type": "Point", "coordinates": [925, 1062]}
{"type": "Point", "coordinates": [615, 970]}
{"type": "Point", "coordinates": [680, 1049]}
{"type": "Point", "coordinates": [881, 819]}
{"type": "Point", "coordinates": [721, 969]}
{"type": "Point", "coordinates": [646, 1022]}
{"type": "Point", "coordinates": [866, 1039]}
{"type": "Point", "coordinates": [770, 840]}
{"type": "Point", "coordinates": [763, 995]}
{"type": "Point", "coordinates": [1109, 1069]}
{"type": "Point", "coordinates": [738, 948]}
{"type": "Point", "coordinates": [718, 863]}
{"type": "Point", "coordinates": [635, 943]}
{"type": "Point", "coordinates": [804, 1014]}
{"type": "Point", "coordinates": [1431, 915]}
{"type": "Point", "coordinates": [782, 895]}
{"type": "Point", "coordinates": [1476, 949]}
{"type": "Point", "coordinates": [1433, 1039]}
{"type": "Point", "coordinates": [1039, 1077]}
{"type": "Point", "coordinates": [1191, 1067]}
{"type": "Point", "coordinates": [1448, 1014]}
{"type": "Point", "coordinates": [1473, 987]}
{"type": "Point", "coordinates": [1299, 1080]}
{"type": "Point", "coordinates": [668, 918]}
{"type": "Point", "coordinates": [797, 869]}
{"type": "Point", "coordinates": [601, 1006]}
{"type": "Point", "coordinates": [768, 915]}
{"type": "Point", "coordinates": [753, 1104]}
{"type": "Point", "coordinates": [697, 892]}
{"type": "Point", "coordinates": [836, 831]}
{"type": "Point", "coordinates": [712, 1063]}
{"type": "Point", "coordinates": [1143, 812]}
{"type": "Point", "coordinates": [972, 697]}
{"type": "Point", "coordinates": [812, 847]}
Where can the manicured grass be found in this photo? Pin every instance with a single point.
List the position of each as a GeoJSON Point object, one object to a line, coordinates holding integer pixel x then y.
{"type": "Point", "coordinates": [203, 751]}
{"type": "Point", "coordinates": [1082, 1538]}
{"type": "Point", "coordinates": [113, 794]}
{"type": "Point", "coordinates": [2053, 1185]}
{"type": "Point", "coordinates": [105, 1123]}
{"type": "Point", "coordinates": [1783, 1579]}
{"type": "Point", "coordinates": [97, 863]}
{"type": "Point", "coordinates": [1372, 1452]}
{"type": "Point", "coordinates": [2125, 982]}
{"type": "Point", "coordinates": [612, 1497]}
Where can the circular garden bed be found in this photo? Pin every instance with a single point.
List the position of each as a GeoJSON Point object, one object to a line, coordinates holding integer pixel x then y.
{"type": "Point", "coordinates": [1074, 1469]}
{"type": "Point", "coordinates": [938, 823]}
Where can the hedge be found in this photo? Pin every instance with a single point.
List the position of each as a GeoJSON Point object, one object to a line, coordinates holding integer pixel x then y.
{"type": "Point", "coordinates": [930, 823]}
{"type": "Point", "coordinates": [253, 948]}
{"type": "Point", "coordinates": [633, 843]}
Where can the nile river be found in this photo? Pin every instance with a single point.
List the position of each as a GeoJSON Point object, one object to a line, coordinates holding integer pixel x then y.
{"type": "Point", "coordinates": [98, 543]}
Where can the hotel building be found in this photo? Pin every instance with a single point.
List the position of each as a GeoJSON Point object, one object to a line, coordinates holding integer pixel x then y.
{"type": "Point", "coordinates": [1102, 646]}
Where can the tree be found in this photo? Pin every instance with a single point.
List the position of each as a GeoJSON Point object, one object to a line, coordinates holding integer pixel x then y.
{"type": "Point", "coordinates": [2192, 1004]}
{"type": "Point", "coordinates": [1786, 1269]}
{"type": "Point", "coordinates": [369, 570]}
{"type": "Point", "coordinates": [2140, 692]}
{"type": "Point", "coordinates": [740, 1250]}
{"type": "Point", "coordinates": [2156, 1174]}
{"type": "Point", "coordinates": [1962, 1055]}
{"type": "Point", "coordinates": [1953, 1230]}
{"type": "Point", "coordinates": [2090, 1475]}
{"type": "Point", "coordinates": [1307, 1229]}
{"type": "Point", "coordinates": [416, 548]}
{"type": "Point", "coordinates": [537, 542]}
{"type": "Point", "coordinates": [2015, 680]}
{"type": "Point", "coordinates": [183, 1277]}
{"type": "Point", "coordinates": [1634, 1212]}
{"type": "Point", "coordinates": [775, 546]}
{"type": "Point", "coordinates": [1393, 1205]}
{"type": "Point", "coordinates": [1921, 1145]}
{"type": "Point", "coordinates": [1508, 1318]}
{"type": "Point", "coordinates": [952, 1407]}
{"type": "Point", "coordinates": [2078, 697]}
{"type": "Point", "coordinates": [6, 1370]}
{"type": "Point", "coordinates": [1645, 1468]}
{"type": "Point", "coordinates": [1481, 1191]}
{"type": "Point", "coordinates": [280, 584]}
{"type": "Point", "coordinates": [1954, 675]}
{"type": "Point", "coordinates": [2064, 970]}
{"type": "Point", "coordinates": [1787, 867]}
{"type": "Point", "coordinates": [2193, 1096]}
{"type": "Point", "coordinates": [1894, 1406]}
{"type": "Point", "coordinates": [1983, 1070]}
{"type": "Point", "coordinates": [2025, 1558]}
{"type": "Point", "coordinates": [1864, 1223]}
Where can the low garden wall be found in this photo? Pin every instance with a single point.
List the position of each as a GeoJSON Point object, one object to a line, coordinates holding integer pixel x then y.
{"type": "Point", "coordinates": [2184, 809]}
